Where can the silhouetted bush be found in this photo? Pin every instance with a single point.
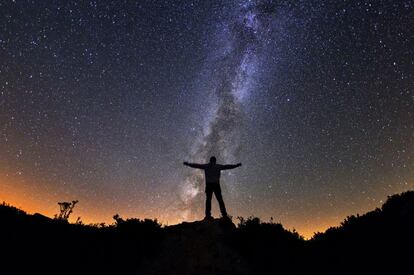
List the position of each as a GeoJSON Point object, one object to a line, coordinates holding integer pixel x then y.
{"type": "Point", "coordinates": [267, 243]}
{"type": "Point", "coordinates": [66, 208]}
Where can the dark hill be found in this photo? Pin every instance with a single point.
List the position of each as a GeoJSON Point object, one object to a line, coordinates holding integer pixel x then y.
{"type": "Point", "coordinates": [378, 242]}
{"type": "Point", "coordinates": [202, 247]}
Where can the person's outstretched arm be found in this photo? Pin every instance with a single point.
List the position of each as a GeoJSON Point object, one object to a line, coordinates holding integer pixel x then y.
{"type": "Point", "coordinates": [194, 165]}
{"type": "Point", "coordinates": [229, 166]}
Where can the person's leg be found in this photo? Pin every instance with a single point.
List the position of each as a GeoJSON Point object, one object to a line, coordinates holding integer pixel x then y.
{"type": "Point", "coordinates": [209, 195]}
{"type": "Point", "coordinates": [219, 197]}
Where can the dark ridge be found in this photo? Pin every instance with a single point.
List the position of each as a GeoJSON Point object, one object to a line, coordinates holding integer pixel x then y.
{"type": "Point", "coordinates": [378, 242]}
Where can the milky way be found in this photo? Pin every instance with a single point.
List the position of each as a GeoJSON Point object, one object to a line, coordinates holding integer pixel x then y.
{"type": "Point", "coordinates": [235, 62]}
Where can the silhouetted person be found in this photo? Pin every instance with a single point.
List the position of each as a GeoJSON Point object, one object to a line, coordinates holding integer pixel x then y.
{"type": "Point", "coordinates": [212, 176]}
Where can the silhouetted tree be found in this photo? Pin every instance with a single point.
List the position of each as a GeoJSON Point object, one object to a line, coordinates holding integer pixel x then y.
{"type": "Point", "coordinates": [66, 208]}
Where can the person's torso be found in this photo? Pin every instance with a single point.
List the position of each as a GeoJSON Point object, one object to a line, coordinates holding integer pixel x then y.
{"type": "Point", "coordinates": [212, 173]}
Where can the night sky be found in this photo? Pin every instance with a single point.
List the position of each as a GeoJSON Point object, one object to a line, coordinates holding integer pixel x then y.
{"type": "Point", "coordinates": [102, 101]}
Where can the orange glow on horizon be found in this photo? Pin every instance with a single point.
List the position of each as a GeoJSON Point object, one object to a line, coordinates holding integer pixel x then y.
{"type": "Point", "coordinates": [31, 206]}
{"type": "Point", "coordinates": [16, 192]}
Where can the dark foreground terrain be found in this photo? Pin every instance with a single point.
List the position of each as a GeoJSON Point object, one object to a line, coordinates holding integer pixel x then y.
{"type": "Point", "coordinates": [378, 242]}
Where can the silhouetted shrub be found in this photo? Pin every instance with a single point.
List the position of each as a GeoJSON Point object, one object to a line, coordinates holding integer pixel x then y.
{"type": "Point", "coordinates": [66, 208]}
{"type": "Point", "coordinates": [134, 223]}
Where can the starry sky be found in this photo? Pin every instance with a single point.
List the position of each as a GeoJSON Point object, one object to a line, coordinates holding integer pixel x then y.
{"type": "Point", "coordinates": [102, 101]}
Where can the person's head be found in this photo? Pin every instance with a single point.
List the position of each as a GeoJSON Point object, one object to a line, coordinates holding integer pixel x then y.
{"type": "Point", "coordinates": [213, 159]}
